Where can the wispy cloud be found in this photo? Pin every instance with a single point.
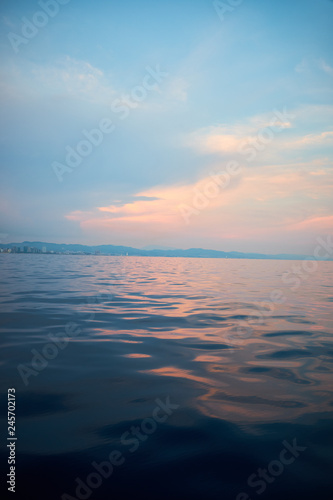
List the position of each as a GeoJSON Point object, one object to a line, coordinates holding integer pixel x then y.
{"type": "Point", "coordinates": [323, 138]}
{"type": "Point", "coordinates": [66, 78]}
{"type": "Point", "coordinates": [279, 199]}
{"type": "Point", "coordinates": [325, 67]}
{"type": "Point", "coordinates": [231, 139]}
{"type": "Point", "coordinates": [302, 66]}
{"type": "Point", "coordinates": [311, 65]}
{"type": "Point", "coordinates": [177, 89]}
{"type": "Point", "coordinates": [74, 78]}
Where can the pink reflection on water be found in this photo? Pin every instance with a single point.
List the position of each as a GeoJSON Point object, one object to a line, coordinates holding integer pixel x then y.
{"type": "Point", "coordinates": [137, 355]}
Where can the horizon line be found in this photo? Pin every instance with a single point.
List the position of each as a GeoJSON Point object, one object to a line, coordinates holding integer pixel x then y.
{"type": "Point", "coordinates": [303, 256]}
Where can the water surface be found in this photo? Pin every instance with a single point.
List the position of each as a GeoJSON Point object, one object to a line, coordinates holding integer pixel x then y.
{"type": "Point", "coordinates": [245, 373]}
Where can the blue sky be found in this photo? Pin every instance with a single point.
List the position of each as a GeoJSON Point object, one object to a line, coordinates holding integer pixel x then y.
{"type": "Point", "coordinates": [221, 80]}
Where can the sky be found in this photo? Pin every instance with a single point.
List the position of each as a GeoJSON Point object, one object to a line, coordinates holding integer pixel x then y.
{"type": "Point", "coordinates": [179, 123]}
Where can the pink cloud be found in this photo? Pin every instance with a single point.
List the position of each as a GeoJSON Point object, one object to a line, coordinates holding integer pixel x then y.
{"type": "Point", "coordinates": [269, 202]}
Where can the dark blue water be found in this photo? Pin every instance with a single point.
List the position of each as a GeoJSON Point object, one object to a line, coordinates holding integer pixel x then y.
{"type": "Point", "coordinates": [172, 378]}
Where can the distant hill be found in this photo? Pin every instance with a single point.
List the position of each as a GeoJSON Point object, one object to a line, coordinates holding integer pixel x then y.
{"type": "Point", "coordinates": [158, 252]}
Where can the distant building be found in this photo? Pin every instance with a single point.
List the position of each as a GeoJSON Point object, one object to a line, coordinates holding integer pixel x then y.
{"type": "Point", "coordinates": [43, 249]}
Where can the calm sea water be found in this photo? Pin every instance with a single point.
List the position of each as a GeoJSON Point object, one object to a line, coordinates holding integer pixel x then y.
{"type": "Point", "coordinates": [183, 372]}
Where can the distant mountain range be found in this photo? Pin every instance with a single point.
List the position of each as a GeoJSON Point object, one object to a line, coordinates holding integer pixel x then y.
{"type": "Point", "coordinates": [157, 252]}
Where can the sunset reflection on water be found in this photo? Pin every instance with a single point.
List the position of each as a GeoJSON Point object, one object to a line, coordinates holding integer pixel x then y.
{"type": "Point", "coordinates": [168, 327]}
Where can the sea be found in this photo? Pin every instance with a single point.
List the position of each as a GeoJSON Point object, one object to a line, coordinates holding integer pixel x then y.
{"type": "Point", "coordinates": [166, 378]}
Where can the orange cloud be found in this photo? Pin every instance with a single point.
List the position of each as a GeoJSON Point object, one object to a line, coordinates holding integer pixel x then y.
{"type": "Point", "coordinates": [256, 203]}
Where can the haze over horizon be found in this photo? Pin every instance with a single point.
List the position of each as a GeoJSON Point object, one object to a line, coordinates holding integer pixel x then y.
{"type": "Point", "coordinates": [200, 129]}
